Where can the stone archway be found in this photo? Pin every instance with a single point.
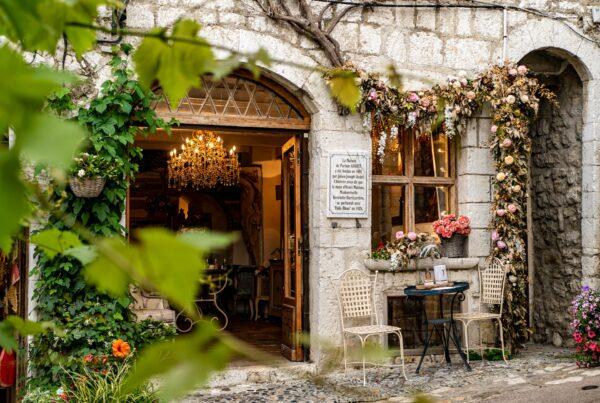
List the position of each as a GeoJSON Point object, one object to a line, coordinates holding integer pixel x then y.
{"type": "Point", "coordinates": [556, 198]}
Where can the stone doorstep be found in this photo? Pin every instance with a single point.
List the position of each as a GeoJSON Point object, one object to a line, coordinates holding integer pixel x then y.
{"type": "Point", "coordinates": [279, 372]}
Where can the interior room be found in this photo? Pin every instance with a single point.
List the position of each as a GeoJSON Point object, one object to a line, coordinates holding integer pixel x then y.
{"type": "Point", "coordinates": [246, 297]}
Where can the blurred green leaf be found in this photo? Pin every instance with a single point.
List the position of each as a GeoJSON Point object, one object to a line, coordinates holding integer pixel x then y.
{"type": "Point", "coordinates": [54, 241]}
{"type": "Point", "coordinates": [13, 325]}
{"type": "Point", "coordinates": [208, 241]}
{"type": "Point", "coordinates": [260, 57]}
{"type": "Point", "coordinates": [176, 65]}
{"type": "Point", "coordinates": [14, 204]}
{"type": "Point", "coordinates": [183, 363]}
{"type": "Point", "coordinates": [159, 260]}
{"type": "Point", "coordinates": [84, 253]}
{"type": "Point", "coordinates": [344, 88]}
{"type": "Point", "coordinates": [222, 68]}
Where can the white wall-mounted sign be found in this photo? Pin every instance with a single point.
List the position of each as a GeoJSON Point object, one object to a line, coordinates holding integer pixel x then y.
{"type": "Point", "coordinates": [348, 187]}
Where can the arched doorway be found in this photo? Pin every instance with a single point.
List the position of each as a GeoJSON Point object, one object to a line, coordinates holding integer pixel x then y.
{"type": "Point", "coordinates": [555, 250]}
{"type": "Point", "coordinates": [269, 206]}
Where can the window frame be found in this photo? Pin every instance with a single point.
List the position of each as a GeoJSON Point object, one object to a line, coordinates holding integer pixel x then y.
{"type": "Point", "coordinates": [409, 180]}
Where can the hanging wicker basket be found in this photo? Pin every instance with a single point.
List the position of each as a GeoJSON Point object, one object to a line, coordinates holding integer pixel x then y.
{"type": "Point", "coordinates": [87, 187]}
{"type": "Point", "coordinates": [454, 246]}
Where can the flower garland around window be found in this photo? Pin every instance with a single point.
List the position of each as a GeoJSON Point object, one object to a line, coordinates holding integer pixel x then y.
{"type": "Point", "coordinates": [514, 96]}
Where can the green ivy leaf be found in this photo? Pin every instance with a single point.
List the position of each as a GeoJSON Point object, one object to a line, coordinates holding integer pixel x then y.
{"type": "Point", "coordinates": [54, 241]}
{"type": "Point", "coordinates": [14, 204]}
{"type": "Point", "coordinates": [344, 88]}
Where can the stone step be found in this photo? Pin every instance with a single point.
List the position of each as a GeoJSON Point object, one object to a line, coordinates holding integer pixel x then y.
{"type": "Point", "coordinates": [233, 375]}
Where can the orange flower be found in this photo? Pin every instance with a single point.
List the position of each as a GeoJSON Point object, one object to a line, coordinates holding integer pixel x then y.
{"type": "Point", "coordinates": [120, 348]}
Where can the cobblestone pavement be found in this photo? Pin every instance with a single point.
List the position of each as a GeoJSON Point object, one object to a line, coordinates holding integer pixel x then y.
{"type": "Point", "coordinates": [534, 372]}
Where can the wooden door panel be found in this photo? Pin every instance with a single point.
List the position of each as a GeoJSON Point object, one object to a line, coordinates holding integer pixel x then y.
{"type": "Point", "coordinates": [291, 242]}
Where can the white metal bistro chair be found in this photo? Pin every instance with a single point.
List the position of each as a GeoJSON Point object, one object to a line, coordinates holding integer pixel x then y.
{"type": "Point", "coordinates": [357, 306]}
{"type": "Point", "coordinates": [492, 278]}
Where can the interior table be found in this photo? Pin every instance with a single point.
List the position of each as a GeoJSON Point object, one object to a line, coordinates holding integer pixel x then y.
{"type": "Point", "coordinates": [439, 324]}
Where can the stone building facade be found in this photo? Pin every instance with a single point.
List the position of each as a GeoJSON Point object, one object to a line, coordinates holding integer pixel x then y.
{"type": "Point", "coordinates": [427, 45]}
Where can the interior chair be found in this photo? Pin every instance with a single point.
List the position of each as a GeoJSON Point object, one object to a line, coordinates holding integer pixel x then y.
{"type": "Point", "coordinates": [243, 282]}
{"type": "Point", "coordinates": [492, 278]}
{"type": "Point", "coordinates": [359, 316]}
{"type": "Point", "coordinates": [262, 291]}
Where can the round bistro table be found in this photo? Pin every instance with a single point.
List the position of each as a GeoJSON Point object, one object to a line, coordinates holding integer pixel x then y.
{"type": "Point", "coordinates": [439, 324]}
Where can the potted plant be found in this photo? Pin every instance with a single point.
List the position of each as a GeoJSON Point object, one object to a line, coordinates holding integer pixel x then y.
{"type": "Point", "coordinates": [586, 327]}
{"type": "Point", "coordinates": [379, 259]}
{"type": "Point", "coordinates": [453, 232]}
{"type": "Point", "coordinates": [407, 246]}
{"type": "Point", "coordinates": [89, 174]}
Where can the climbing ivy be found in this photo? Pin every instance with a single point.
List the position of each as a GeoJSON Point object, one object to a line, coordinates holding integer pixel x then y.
{"type": "Point", "coordinates": [91, 320]}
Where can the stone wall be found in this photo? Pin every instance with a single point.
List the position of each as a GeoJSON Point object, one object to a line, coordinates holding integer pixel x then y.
{"type": "Point", "coordinates": [426, 45]}
{"type": "Point", "coordinates": [556, 208]}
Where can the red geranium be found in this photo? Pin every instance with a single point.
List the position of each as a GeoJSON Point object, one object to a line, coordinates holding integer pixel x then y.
{"type": "Point", "coordinates": [449, 224]}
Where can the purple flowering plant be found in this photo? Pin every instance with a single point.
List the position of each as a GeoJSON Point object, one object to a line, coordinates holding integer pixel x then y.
{"type": "Point", "coordinates": [585, 327]}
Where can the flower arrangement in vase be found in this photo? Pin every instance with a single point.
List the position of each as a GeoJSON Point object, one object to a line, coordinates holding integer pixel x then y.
{"type": "Point", "coordinates": [378, 259]}
{"type": "Point", "coordinates": [453, 232]}
{"type": "Point", "coordinates": [407, 246]}
{"type": "Point", "coordinates": [586, 327]}
{"type": "Point", "coordinates": [89, 174]}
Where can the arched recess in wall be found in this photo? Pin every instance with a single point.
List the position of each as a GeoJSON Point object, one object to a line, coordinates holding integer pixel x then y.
{"type": "Point", "coordinates": [555, 242]}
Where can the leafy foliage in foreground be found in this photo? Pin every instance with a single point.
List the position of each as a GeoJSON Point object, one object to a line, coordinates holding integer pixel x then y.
{"type": "Point", "coordinates": [91, 319]}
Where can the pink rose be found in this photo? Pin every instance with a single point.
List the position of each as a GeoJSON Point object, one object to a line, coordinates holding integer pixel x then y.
{"type": "Point", "coordinates": [373, 94]}
{"type": "Point", "coordinates": [577, 337]}
{"type": "Point", "coordinates": [495, 236]}
{"type": "Point", "coordinates": [500, 212]}
{"type": "Point", "coordinates": [506, 143]}
{"type": "Point", "coordinates": [593, 346]}
{"type": "Point", "coordinates": [399, 234]}
{"type": "Point", "coordinates": [591, 334]}
{"type": "Point", "coordinates": [522, 69]}
{"type": "Point", "coordinates": [412, 236]}
{"type": "Point", "coordinates": [471, 95]}
{"type": "Point", "coordinates": [425, 102]}
{"type": "Point", "coordinates": [501, 244]}
{"type": "Point", "coordinates": [494, 128]}
{"type": "Point", "coordinates": [413, 97]}
{"type": "Point", "coordinates": [512, 72]}
{"type": "Point", "coordinates": [512, 208]}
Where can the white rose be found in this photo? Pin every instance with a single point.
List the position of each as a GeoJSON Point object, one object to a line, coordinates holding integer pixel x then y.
{"type": "Point", "coordinates": [81, 173]}
{"type": "Point", "coordinates": [510, 99]}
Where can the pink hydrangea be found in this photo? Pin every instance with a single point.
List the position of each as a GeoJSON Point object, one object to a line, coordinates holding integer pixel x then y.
{"type": "Point", "coordinates": [399, 234]}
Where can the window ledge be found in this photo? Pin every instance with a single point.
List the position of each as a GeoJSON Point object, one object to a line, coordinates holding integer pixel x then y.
{"type": "Point", "coordinates": [461, 263]}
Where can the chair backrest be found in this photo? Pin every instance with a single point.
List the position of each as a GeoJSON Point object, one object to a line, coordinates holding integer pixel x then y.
{"type": "Point", "coordinates": [356, 296]}
{"type": "Point", "coordinates": [492, 277]}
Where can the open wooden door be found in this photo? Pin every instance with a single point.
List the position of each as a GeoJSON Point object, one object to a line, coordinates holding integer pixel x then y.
{"type": "Point", "coordinates": [291, 175]}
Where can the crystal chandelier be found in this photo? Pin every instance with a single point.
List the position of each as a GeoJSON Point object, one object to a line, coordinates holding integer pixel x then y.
{"type": "Point", "coordinates": [203, 162]}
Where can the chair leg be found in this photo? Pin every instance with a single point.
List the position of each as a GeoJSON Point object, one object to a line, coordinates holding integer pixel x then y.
{"type": "Point", "coordinates": [251, 305]}
{"type": "Point", "coordinates": [481, 345]}
{"type": "Point", "coordinates": [401, 340]}
{"type": "Point", "coordinates": [502, 340]}
{"type": "Point", "coordinates": [345, 353]}
{"type": "Point", "coordinates": [466, 335]}
{"type": "Point", "coordinates": [256, 311]}
{"type": "Point", "coordinates": [362, 342]}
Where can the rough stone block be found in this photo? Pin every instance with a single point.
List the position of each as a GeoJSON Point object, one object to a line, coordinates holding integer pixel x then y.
{"type": "Point", "coordinates": [464, 53]}
{"type": "Point", "coordinates": [229, 18]}
{"type": "Point", "coordinates": [425, 48]}
{"type": "Point", "coordinates": [463, 22]}
{"type": "Point", "coordinates": [347, 34]}
{"type": "Point", "coordinates": [166, 16]}
{"type": "Point", "coordinates": [469, 138]}
{"type": "Point", "coordinates": [426, 19]}
{"type": "Point", "coordinates": [474, 160]}
{"type": "Point", "coordinates": [140, 16]}
{"type": "Point", "coordinates": [474, 188]}
{"type": "Point", "coordinates": [488, 23]}
{"type": "Point", "coordinates": [369, 39]}
{"type": "Point", "coordinates": [395, 46]}
{"type": "Point", "coordinates": [446, 21]}
{"type": "Point", "coordinates": [590, 132]}
{"type": "Point", "coordinates": [479, 213]}
{"type": "Point", "coordinates": [478, 243]}
{"type": "Point", "coordinates": [484, 133]}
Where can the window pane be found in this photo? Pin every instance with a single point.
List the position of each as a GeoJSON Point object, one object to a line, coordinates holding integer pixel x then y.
{"type": "Point", "coordinates": [393, 162]}
{"type": "Point", "coordinates": [432, 156]}
{"type": "Point", "coordinates": [387, 212]}
{"type": "Point", "coordinates": [430, 204]}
